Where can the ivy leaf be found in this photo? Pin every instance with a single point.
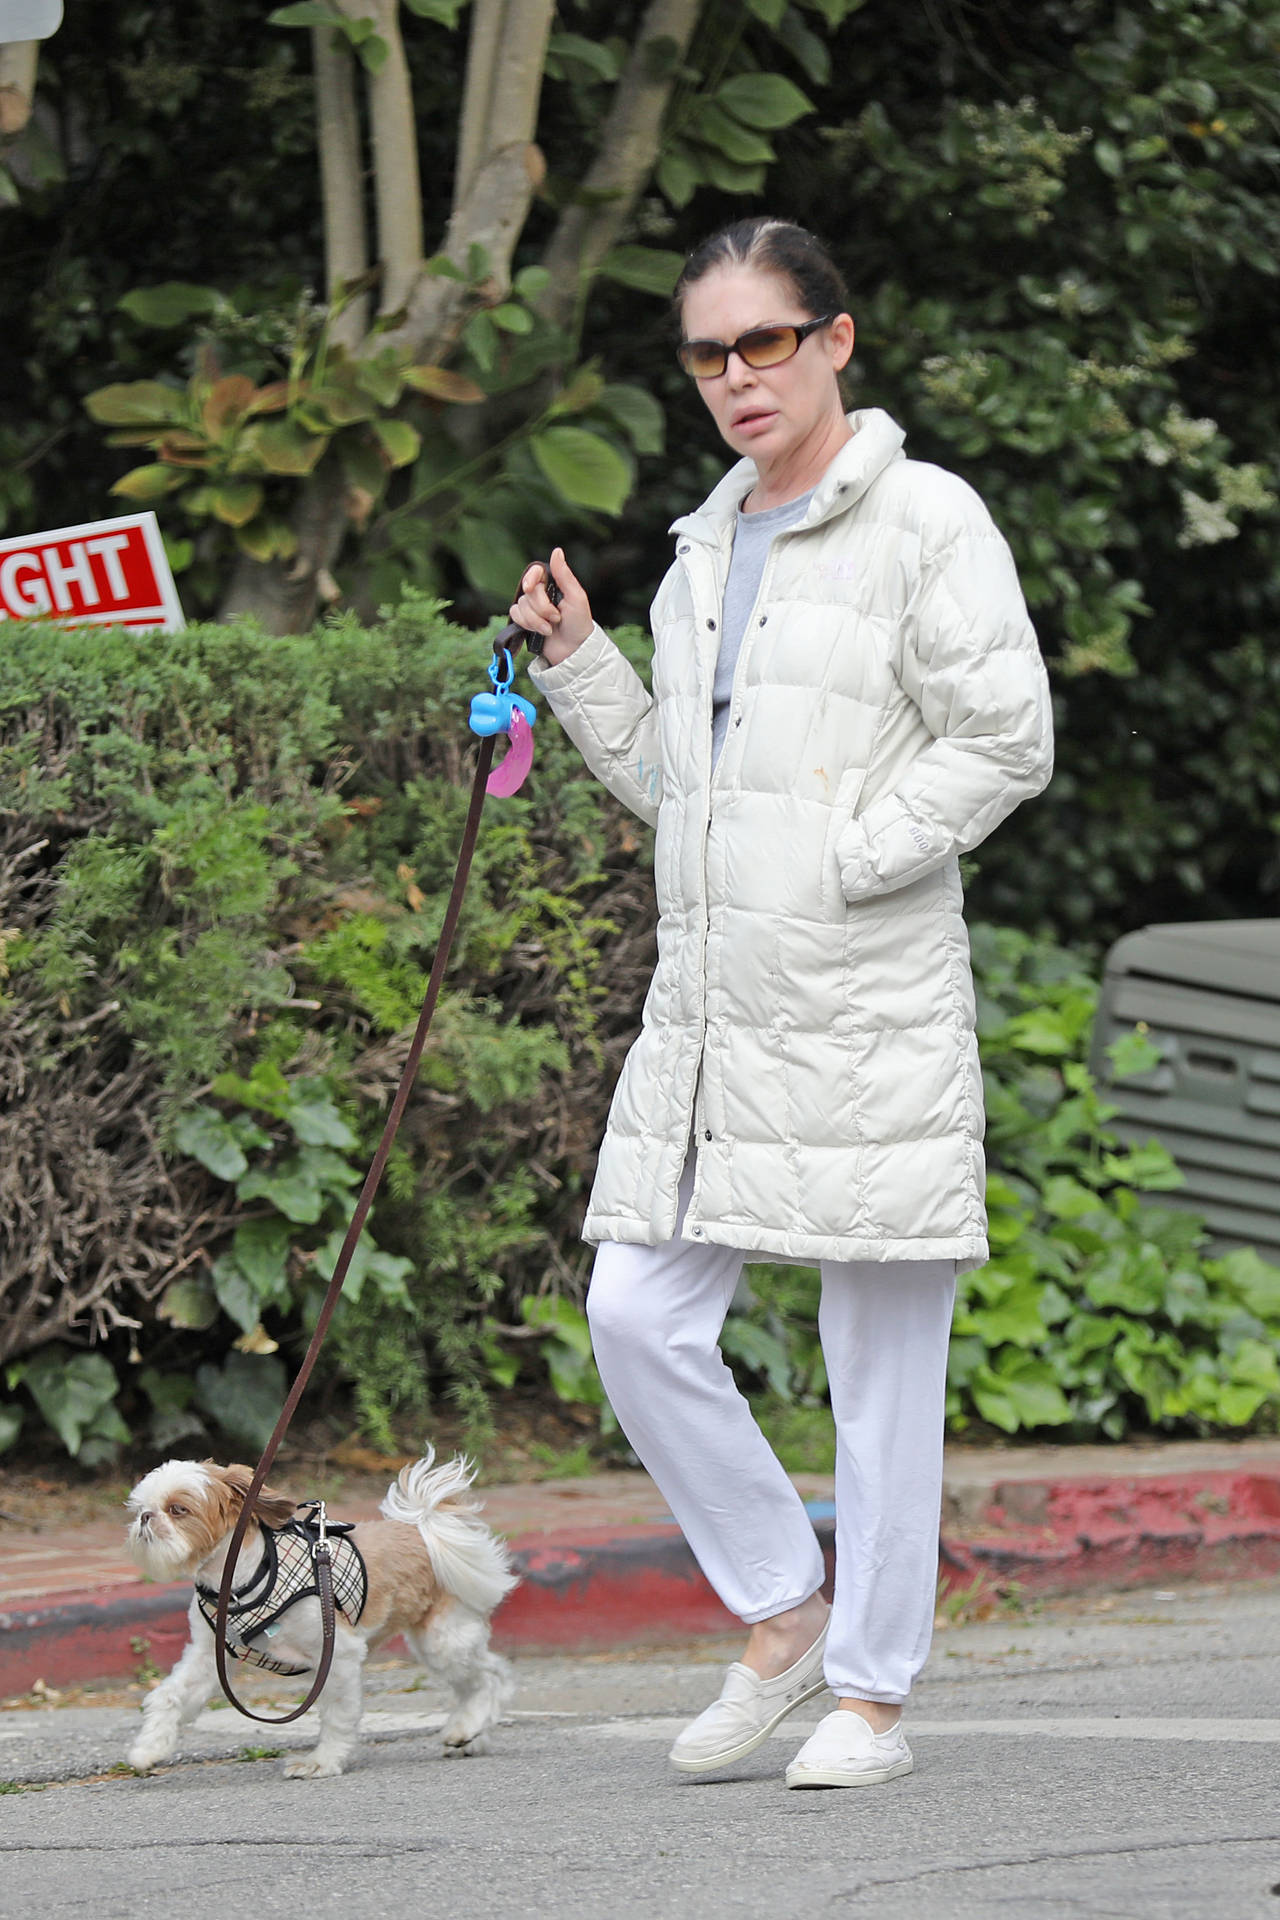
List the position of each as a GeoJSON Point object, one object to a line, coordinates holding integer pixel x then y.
{"type": "Point", "coordinates": [585, 388]}
{"type": "Point", "coordinates": [368, 1261]}
{"type": "Point", "coordinates": [236, 1294]}
{"type": "Point", "coordinates": [600, 62]}
{"type": "Point", "coordinates": [648, 269]}
{"type": "Point", "coordinates": [481, 337]}
{"type": "Point", "coordinates": [441, 383]}
{"type": "Point", "coordinates": [135, 403]}
{"type": "Point", "coordinates": [1151, 1167]}
{"type": "Point", "coordinates": [1255, 1280]}
{"type": "Point", "coordinates": [511, 317]}
{"type": "Point", "coordinates": [805, 48]}
{"type": "Point", "coordinates": [209, 1138]}
{"type": "Point", "coordinates": [399, 441]}
{"type": "Point", "coordinates": [171, 304]}
{"type": "Point", "coordinates": [260, 1249]}
{"type": "Point", "coordinates": [284, 447]}
{"type": "Point", "coordinates": [267, 539]}
{"type": "Point", "coordinates": [443, 12]}
{"type": "Point", "coordinates": [305, 13]}
{"type": "Point", "coordinates": [1133, 1053]}
{"type": "Point", "coordinates": [502, 1367]}
{"type": "Point", "coordinates": [189, 1303]}
{"type": "Point", "coordinates": [167, 1392]}
{"type": "Point", "coordinates": [492, 558]}
{"type": "Point", "coordinates": [373, 52]}
{"type": "Point", "coordinates": [1022, 1393]}
{"type": "Point", "coordinates": [584, 469]}
{"type": "Point", "coordinates": [760, 1350]}
{"type": "Point", "coordinates": [554, 1314]}
{"type": "Point", "coordinates": [720, 129]}
{"type": "Point", "coordinates": [315, 1119]}
{"type": "Point", "coordinates": [767, 100]}
{"type": "Point", "coordinates": [236, 503]}
{"type": "Point", "coordinates": [635, 410]}
{"type": "Point", "coordinates": [243, 1396]}
{"type": "Point", "coordinates": [292, 1187]}
{"type": "Point", "coordinates": [149, 483]}
{"type": "Point", "coordinates": [11, 1425]}
{"type": "Point", "coordinates": [1015, 1319]}
{"type": "Point", "coordinates": [70, 1391]}
{"type": "Point", "coordinates": [678, 176]}
{"type": "Point", "coordinates": [770, 11]}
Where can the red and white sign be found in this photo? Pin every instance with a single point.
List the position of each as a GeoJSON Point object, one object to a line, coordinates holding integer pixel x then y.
{"type": "Point", "coordinates": [107, 573]}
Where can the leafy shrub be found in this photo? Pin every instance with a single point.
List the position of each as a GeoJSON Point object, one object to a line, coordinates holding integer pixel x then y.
{"type": "Point", "coordinates": [230, 857]}
{"type": "Point", "coordinates": [1100, 1310]}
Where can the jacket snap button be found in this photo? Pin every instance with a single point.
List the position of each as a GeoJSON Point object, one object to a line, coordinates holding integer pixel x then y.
{"type": "Point", "coordinates": [696, 1232]}
{"type": "Point", "coordinates": [712, 625]}
{"type": "Point", "coordinates": [707, 1134]}
{"type": "Point", "coordinates": [683, 549]}
{"type": "Point", "coordinates": [764, 619]}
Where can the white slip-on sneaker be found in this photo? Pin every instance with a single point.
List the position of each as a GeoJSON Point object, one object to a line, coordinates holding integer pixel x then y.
{"type": "Point", "coordinates": [747, 1711]}
{"type": "Point", "coordinates": [842, 1751]}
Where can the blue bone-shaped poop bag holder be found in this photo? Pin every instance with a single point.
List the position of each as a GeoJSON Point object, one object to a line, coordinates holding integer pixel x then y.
{"type": "Point", "coordinates": [493, 712]}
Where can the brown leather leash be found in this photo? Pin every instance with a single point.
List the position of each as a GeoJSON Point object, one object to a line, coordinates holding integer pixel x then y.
{"type": "Point", "coordinates": [509, 641]}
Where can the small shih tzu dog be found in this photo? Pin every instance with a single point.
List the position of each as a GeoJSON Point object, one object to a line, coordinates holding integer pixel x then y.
{"type": "Point", "coordinates": [429, 1569]}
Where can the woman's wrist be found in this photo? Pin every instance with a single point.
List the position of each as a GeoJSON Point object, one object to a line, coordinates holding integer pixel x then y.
{"type": "Point", "coordinates": [557, 647]}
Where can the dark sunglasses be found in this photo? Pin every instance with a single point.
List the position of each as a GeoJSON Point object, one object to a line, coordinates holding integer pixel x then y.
{"type": "Point", "coordinates": [762, 347]}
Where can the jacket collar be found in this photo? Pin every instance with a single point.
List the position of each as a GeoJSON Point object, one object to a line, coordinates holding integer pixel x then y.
{"type": "Point", "coordinates": [877, 441]}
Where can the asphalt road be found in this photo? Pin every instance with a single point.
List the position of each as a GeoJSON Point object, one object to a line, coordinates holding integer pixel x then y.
{"type": "Point", "coordinates": [1116, 1758]}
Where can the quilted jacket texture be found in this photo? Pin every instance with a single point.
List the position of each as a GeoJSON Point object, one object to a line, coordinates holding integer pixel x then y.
{"type": "Point", "coordinates": [811, 1016]}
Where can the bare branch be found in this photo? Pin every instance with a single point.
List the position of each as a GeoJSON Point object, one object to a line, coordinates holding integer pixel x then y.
{"type": "Point", "coordinates": [622, 167]}
{"type": "Point", "coordinates": [396, 180]}
{"type": "Point", "coordinates": [346, 237]}
{"type": "Point", "coordinates": [482, 60]}
{"type": "Point", "coordinates": [18, 62]}
{"type": "Point", "coordinates": [505, 61]}
{"type": "Point", "coordinates": [513, 112]}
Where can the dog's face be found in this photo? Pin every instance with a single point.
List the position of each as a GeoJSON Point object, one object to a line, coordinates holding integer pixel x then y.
{"type": "Point", "coordinates": [183, 1510]}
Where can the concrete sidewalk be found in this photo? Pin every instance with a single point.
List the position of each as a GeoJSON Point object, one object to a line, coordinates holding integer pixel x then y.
{"type": "Point", "coordinates": [603, 1565]}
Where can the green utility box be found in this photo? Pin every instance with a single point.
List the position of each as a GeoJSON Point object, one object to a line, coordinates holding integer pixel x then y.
{"type": "Point", "coordinates": [1209, 993]}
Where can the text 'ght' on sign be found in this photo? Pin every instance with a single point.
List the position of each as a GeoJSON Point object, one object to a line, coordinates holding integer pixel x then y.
{"type": "Point", "coordinates": [107, 573]}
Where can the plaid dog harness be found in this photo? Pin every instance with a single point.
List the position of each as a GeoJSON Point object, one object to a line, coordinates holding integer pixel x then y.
{"type": "Point", "coordinates": [286, 1574]}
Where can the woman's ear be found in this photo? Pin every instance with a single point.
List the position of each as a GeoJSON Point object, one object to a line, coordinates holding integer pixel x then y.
{"type": "Point", "coordinates": [271, 1507]}
{"type": "Point", "coordinates": [841, 335]}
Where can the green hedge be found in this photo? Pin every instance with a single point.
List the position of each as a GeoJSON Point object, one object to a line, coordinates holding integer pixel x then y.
{"type": "Point", "coordinates": [225, 860]}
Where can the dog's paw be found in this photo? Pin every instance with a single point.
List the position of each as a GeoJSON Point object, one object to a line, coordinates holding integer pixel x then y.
{"type": "Point", "coordinates": [312, 1766]}
{"type": "Point", "coordinates": [464, 1749]}
{"type": "Point", "coordinates": [145, 1758]}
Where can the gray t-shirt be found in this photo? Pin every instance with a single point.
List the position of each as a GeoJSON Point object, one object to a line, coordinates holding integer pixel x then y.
{"type": "Point", "coordinates": [751, 541]}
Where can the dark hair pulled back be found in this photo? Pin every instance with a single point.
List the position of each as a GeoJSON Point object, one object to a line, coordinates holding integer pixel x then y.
{"type": "Point", "coordinates": [770, 246]}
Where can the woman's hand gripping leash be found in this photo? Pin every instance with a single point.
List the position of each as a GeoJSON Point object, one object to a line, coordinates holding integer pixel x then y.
{"type": "Point", "coordinates": [532, 618]}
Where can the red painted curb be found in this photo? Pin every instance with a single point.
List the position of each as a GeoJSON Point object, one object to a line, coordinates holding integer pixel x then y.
{"type": "Point", "coordinates": [1066, 1536]}
{"type": "Point", "coordinates": [603, 1587]}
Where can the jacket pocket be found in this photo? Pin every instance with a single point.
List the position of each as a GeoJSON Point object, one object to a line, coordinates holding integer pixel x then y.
{"type": "Point", "coordinates": [843, 809]}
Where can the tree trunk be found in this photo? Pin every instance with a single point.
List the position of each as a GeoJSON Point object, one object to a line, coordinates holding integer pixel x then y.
{"type": "Point", "coordinates": [341, 182]}
{"type": "Point", "coordinates": [630, 147]}
{"type": "Point", "coordinates": [498, 168]}
{"type": "Point", "coordinates": [18, 62]}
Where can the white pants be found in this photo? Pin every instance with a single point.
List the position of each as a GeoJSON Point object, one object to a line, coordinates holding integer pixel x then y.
{"type": "Point", "coordinates": [656, 1315]}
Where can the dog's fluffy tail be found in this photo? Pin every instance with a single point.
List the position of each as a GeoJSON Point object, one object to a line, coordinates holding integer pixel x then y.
{"type": "Point", "coordinates": [469, 1561]}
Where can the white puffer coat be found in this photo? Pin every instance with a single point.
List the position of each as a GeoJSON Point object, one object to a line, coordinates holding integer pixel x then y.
{"type": "Point", "coordinates": [811, 1015]}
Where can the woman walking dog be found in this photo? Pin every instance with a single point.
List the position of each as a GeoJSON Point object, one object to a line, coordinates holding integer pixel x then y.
{"type": "Point", "coordinates": [847, 695]}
